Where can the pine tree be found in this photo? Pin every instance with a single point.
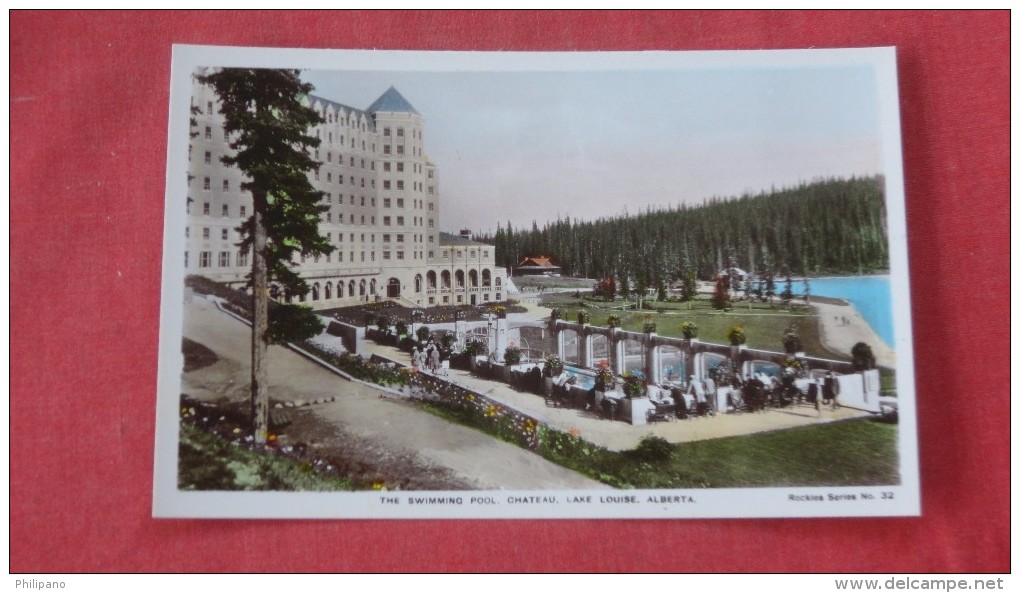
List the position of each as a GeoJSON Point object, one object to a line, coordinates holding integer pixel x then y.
{"type": "Point", "coordinates": [268, 126]}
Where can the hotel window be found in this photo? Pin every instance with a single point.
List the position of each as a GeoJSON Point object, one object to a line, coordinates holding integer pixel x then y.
{"type": "Point", "coordinates": [400, 221]}
{"type": "Point", "coordinates": [362, 182]}
{"type": "Point", "coordinates": [224, 234]}
{"type": "Point", "coordinates": [352, 199]}
{"type": "Point", "coordinates": [432, 254]}
{"type": "Point", "coordinates": [329, 217]}
{"type": "Point", "coordinates": [329, 178]}
{"type": "Point", "coordinates": [386, 202]}
{"type": "Point", "coordinates": [400, 149]}
{"type": "Point", "coordinates": [185, 259]}
{"type": "Point", "coordinates": [385, 131]}
{"type": "Point", "coordinates": [187, 232]}
{"type": "Point", "coordinates": [386, 184]}
{"type": "Point", "coordinates": [362, 200]}
{"type": "Point", "coordinates": [386, 255]}
{"type": "Point", "coordinates": [329, 157]}
{"type": "Point", "coordinates": [400, 255]}
{"type": "Point", "coordinates": [208, 107]}
{"type": "Point", "coordinates": [208, 136]}
{"type": "Point", "coordinates": [206, 183]}
{"type": "Point", "coordinates": [224, 259]}
{"type": "Point", "coordinates": [431, 223]}
{"type": "Point", "coordinates": [430, 173]}
{"type": "Point", "coordinates": [242, 258]}
{"type": "Point", "coordinates": [205, 259]}
{"type": "Point", "coordinates": [208, 157]}
{"type": "Point", "coordinates": [386, 238]}
{"type": "Point", "coordinates": [362, 256]}
{"type": "Point", "coordinates": [446, 254]}
{"type": "Point", "coordinates": [400, 185]}
{"type": "Point", "coordinates": [363, 220]}
{"type": "Point", "coordinates": [431, 207]}
{"type": "Point", "coordinates": [362, 165]}
{"type": "Point", "coordinates": [225, 211]}
{"type": "Point", "coordinates": [226, 185]}
{"type": "Point", "coordinates": [352, 219]}
{"type": "Point", "coordinates": [400, 167]}
{"type": "Point", "coordinates": [386, 167]}
{"type": "Point", "coordinates": [205, 208]}
{"type": "Point", "coordinates": [244, 211]}
{"type": "Point", "coordinates": [400, 202]}
{"type": "Point", "coordinates": [386, 220]}
{"type": "Point", "coordinates": [400, 238]}
{"type": "Point", "coordinates": [432, 190]}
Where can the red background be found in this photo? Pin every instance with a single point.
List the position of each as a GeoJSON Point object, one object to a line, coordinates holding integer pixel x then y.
{"type": "Point", "coordinates": [88, 135]}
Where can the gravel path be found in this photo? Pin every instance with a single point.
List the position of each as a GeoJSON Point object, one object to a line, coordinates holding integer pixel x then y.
{"type": "Point", "coordinates": [391, 428]}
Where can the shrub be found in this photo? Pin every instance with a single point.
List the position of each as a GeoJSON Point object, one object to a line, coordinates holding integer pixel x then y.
{"type": "Point", "coordinates": [649, 327]}
{"type": "Point", "coordinates": [582, 317]}
{"type": "Point", "coordinates": [653, 449]}
{"type": "Point", "coordinates": [614, 321]}
{"type": "Point", "coordinates": [689, 329]}
{"type": "Point", "coordinates": [863, 357]}
{"type": "Point", "coordinates": [423, 333]}
{"type": "Point", "coordinates": [401, 328]}
{"type": "Point", "coordinates": [633, 386]}
{"type": "Point", "coordinates": [383, 323]}
{"type": "Point", "coordinates": [555, 314]}
{"type": "Point", "coordinates": [474, 347]}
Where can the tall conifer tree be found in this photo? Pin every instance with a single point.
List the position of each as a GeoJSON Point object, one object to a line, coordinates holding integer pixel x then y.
{"type": "Point", "coordinates": [268, 126]}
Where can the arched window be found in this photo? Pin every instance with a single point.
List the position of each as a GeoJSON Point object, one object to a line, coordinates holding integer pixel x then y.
{"type": "Point", "coordinates": [499, 282]}
{"type": "Point", "coordinates": [340, 289]}
{"type": "Point", "coordinates": [417, 283]}
{"type": "Point", "coordinates": [361, 288]}
{"type": "Point", "coordinates": [446, 278]}
{"type": "Point", "coordinates": [430, 279]}
{"type": "Point", "coordinates": [371, 287]}
{"type": "Point", "coordinates": [328, 291]}
{"type": "Point", "coordinates": [459, 275]}
{"type": "Point", "coordinates": [315, 291]}
{"type": "Point", "coordinates": [473, 278]}
{"type": "Point", "coordinates": [486, 278]}
{"type": "Point", "coordinates": [350, 288]}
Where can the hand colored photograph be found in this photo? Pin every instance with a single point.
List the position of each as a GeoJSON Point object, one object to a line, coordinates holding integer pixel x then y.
{"type": "Point", "coordinates": [434, 284]}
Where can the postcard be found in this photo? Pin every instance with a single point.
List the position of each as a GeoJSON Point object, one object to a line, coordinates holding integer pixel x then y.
{"type": "Point", "coordinates": [534, 285]}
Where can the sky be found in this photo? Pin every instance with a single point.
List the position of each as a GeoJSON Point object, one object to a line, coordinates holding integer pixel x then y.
{"type": "Point", "coordinates": [537, 146]}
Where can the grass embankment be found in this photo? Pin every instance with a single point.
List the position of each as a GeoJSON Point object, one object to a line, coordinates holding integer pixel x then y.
{"type": "Point", "coordinates": [207, 462]}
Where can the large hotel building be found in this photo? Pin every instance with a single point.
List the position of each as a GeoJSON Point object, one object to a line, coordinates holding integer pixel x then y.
{"type": "Point", "coordinates": [382, 191]}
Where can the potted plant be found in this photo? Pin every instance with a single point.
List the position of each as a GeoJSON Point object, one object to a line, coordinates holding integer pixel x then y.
{"type": "Point", "coordinates": [736, 336]}
{"type": "Point", "coordinates": [689, 329]}
{"type": "Point", "coordinates": [553, 366]}
{"type": "Point", "coordinates": [649, 327]}
{"type": "Point", "coordinates": [582, 317]}
{"type": "Point", "coordinates": [614, 321]}
{"type": "Point", "coordinates": [791, 343]}
{"type": "Point", "coordinates": [512, 355]}
{"type": "Point", "coordinates": [633, 386]}
{"type": "Point", "coordinates": [604, 378]}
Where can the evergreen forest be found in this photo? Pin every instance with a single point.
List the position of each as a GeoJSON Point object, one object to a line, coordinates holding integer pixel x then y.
{"type": "Point", "coordinates": [833, 226]}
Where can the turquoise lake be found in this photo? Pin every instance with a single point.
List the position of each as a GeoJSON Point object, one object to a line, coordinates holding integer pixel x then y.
{"type": "Point", "coordinates": [870, 295]}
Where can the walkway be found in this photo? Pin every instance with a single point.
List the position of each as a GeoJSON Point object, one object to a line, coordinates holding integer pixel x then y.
{"type": "Point", "coordinates": [392, 424]}
{"type": "Point", "coordinates": [620, 436]}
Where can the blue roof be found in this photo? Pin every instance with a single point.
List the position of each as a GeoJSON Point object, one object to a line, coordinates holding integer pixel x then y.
{"type": "Point", "coordinates": [392, 101]}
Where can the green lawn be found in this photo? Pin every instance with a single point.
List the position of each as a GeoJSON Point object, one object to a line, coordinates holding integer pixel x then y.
{"type": "Point", "coordinates": [763, 325]}
{"type": "Point", "coordinates": [851, 453]}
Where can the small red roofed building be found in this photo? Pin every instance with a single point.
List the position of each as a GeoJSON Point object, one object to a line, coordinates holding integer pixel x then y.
{"type": "Point", "coordinates": [537, 266]}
